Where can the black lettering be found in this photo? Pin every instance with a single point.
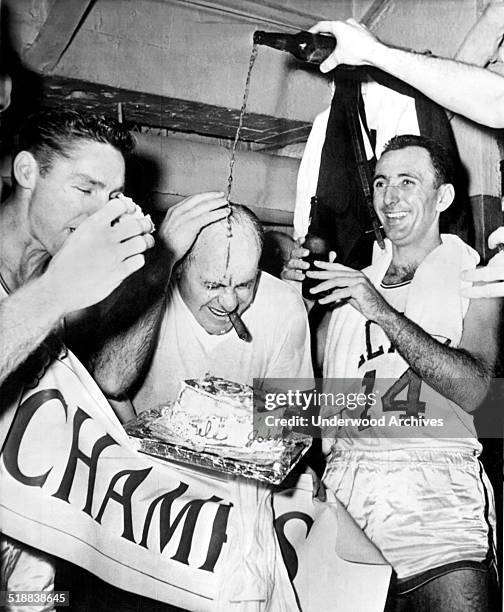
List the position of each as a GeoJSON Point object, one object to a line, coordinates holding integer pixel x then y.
{"type": "Point", "coordinates": [369, 347]}
{"type": "Point", "coordinates": [133, 481]}
{"type": "Point", "coordinates": [288, 551]}
{"type": "Point", "coordinates": [167, 527]}
{"type": "Point", "coordinates": [92, 462]}
{"type": "Point", "coordinates": [23, 417]}
{"type": "Point", "coordinates": [218, 537]}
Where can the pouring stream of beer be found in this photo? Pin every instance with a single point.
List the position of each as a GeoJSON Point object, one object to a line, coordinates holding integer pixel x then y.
{"type": "Point", "coordinates": [253, 56]}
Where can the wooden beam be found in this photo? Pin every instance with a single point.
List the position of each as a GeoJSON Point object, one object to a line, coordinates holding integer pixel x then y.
{"type": "Point", "coordinates": [56, 34]}
{"type": "Point", "coordinates": [173, 114]}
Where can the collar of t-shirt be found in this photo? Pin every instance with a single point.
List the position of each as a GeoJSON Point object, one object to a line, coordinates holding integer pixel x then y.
{"type": "Point", "coordinates": [186, 321]}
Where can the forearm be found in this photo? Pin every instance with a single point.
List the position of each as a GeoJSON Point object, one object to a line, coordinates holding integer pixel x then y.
{"type": "Point", "coordinates": [453, 372]}
{"type": "Point", "coordinates": [128, 327]}
{"type": "Point", "coordinates": [472, 91]}
{"type": "Point", "coordinates": [122, 359]}
{"type": "Point", "coordinates": [27, 317]}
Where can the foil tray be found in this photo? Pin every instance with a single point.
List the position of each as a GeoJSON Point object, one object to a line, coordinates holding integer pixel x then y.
{"type": "Point", "coordinates": [294, 444]}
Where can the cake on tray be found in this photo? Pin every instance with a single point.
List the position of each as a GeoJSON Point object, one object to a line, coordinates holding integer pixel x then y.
{"type": "Point", "coordinates": [211, 424]}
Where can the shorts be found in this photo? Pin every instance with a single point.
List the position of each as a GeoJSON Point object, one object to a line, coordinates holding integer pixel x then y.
{"type": "Point", "coordinates": [423, 508]}
{"type": "Point", "coordinates": [23, 568]}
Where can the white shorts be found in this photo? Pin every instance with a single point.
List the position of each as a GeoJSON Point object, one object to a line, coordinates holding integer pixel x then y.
{"type": "Point", "coordinates": [23, 568]}
{"type": "Point", "coordinates": [422, 508]}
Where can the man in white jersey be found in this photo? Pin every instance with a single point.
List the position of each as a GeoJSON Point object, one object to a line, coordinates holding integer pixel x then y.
{"type": "Point", "coordinates": [408, 470]}
{"type": "Point", "coordinates": [217, 277]}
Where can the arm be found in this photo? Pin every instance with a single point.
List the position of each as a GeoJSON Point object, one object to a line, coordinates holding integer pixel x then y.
{"type": "Point", "coordinates": [126, 326]}
{"type": "Point", "coordinates": [492, 275]}
{"type": "Point", "coordinates": [461, 374]}
{"type": "Point", "coordinates": [92, 262]}
{"type": "Point", "coordinates": [463, 88]}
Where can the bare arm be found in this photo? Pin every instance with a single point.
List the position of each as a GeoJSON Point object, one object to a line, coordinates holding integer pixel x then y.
{"type": "Point", "coordinates": [469, 90]}
{"type": "Point", "coordinates": [461, 374]}
{"type": "Point", "coordinates": [91, 263]}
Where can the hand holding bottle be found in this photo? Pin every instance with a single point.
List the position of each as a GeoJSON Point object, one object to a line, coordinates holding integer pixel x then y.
{"type": "Point", "coordinates": [356, 46]}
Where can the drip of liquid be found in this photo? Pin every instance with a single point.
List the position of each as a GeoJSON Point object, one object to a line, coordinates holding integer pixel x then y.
{"type": "Point", "coordinates": [229, 234]}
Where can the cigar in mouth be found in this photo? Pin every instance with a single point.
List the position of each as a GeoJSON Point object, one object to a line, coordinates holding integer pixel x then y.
{"type": "Point", "coordinates": [240, 327]}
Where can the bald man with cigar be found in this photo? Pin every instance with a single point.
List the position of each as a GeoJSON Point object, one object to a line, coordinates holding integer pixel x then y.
{"type": "Point", "coordinates": [223, 316]}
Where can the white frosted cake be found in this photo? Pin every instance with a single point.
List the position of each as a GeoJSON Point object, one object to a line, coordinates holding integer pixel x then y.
{"type": "Point", "coordinates": [216, 415]}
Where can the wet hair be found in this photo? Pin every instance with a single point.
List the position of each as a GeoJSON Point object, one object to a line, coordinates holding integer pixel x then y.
{"type": "Point", "coordinates": [49, 134]}
{"type": "Point", "coordinates": [440, 157]}
{"type": "Point", "coordinates": [240, 216]}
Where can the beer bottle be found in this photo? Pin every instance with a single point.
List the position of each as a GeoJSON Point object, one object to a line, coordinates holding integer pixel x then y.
{"type": "Point", "coordinates": [305, 46]}
{"type": "Point", "coordinates": [318, 243]}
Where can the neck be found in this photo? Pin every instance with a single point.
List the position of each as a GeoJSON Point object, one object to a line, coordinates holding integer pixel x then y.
{"type": "Point", "coordinates": [22, 257]}
{"type": "Point", "coordinates": [406, 259]}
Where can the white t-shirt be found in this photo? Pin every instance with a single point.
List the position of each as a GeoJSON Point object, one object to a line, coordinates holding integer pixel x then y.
{"type": "Point", "coordinates": [280, 346]}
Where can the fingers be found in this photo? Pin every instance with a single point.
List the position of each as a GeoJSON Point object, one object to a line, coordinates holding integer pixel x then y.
{"type": "Point", "coordinates": [334, 266]}
{"type": "Point", "coordinates": [489, 290]}
{"type": "Point", "coordinates": [114, 209]}
{"type": "Point", "coordinates": [487, 274]}
{"type": "Point", "coordinates": [297, 264]}
{"type": "Point", "coordinates": [293, 275]}
{"type": "Point", "coordinates": [496, 238]}
{"type": "Point", "coordinates": [136, 245]}
{"type": "Point", "coordinates": [491, 276]}
{"type": "Point", "coordinates": [332, 256]}
{"type": "Point", "coordinates": [129, 227]}
{"type": "Point", "coordinates": [337, 296]}
{"type": "Point", "coordinates": [329, 64]}
{"type": "Point", "coordinates": [332, 283]}
{"type": "Point", "coordinates": [298, 253]}
{"type": "Point", "coordinates": [325, 27]}
{"type": "Point", "coordinates": [132, 264]}
{"type": "Point", "coordinates": [212, 217]}
{"type": "Point", "coordinates": [198, 204]}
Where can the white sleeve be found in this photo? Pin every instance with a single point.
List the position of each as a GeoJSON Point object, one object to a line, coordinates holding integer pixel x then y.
{"type": "Point", "coordinates": [292, 359]}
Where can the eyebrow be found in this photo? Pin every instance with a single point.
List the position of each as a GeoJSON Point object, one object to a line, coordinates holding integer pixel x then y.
{"type": "Point", "coordinates": [222, 283]}
{"type": "Point", "coordinates": [91, 181]}
{"type": "Point", "coordinates": [400, 175]}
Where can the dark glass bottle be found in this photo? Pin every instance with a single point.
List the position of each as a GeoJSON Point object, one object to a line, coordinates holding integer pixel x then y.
{"type": "Point", "coordinates": [305, 46]}
{"type": "Point", "coordinates": [317, 242]}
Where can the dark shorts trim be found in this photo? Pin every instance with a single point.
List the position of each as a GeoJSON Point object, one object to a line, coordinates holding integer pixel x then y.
{"type": "Point", "coordinates": [404, 586]}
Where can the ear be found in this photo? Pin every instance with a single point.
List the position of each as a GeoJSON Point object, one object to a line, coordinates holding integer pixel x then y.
{"type": "Point", "coordinates": [25, 169]}
{"type": "Point", "coordinates": [446, 195]}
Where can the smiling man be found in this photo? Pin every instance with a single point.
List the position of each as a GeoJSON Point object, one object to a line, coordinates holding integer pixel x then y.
{"type": "Point", "coordinates": [408, 471]}
{"type": "Point", "coordinates": [219, 276]}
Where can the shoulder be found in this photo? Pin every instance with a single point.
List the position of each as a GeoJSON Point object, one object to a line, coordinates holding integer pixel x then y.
{"type": "Point", "coordinates": [274, 290]}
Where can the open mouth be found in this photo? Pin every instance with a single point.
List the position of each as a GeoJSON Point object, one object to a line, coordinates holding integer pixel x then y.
{"type": "Point", "coordinates": [218, 313]}
{"type": "Point", "coordinates": [396, 215]}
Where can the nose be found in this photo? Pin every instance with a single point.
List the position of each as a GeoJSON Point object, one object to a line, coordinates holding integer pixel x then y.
{"type": "Point", "coordinates": [391, 194]}
{"type": "Point", "coordinates": [228, 299]}
{"type": "Point", "coordinates": [99, 201]}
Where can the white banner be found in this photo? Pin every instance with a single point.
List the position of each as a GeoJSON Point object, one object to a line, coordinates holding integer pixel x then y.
{"type": "Point", "coordinates": [73, 485]}
{"type": "Point", "coordinates": [333, 565]}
